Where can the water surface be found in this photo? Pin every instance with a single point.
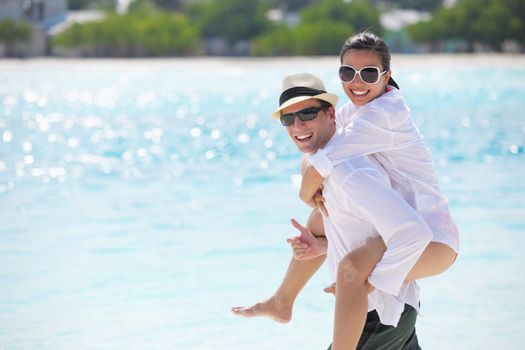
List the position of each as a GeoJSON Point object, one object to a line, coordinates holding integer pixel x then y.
{"type": "Point", "coordinates": [140, 200]}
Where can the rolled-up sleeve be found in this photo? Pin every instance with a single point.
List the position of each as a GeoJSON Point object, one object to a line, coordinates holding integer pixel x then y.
{"type": "Point", "coordinates": [321, 162]}
{"type": "Point", "coordinates": [404, 232]}
{"type": "Point", "coordinates": [370, 132]}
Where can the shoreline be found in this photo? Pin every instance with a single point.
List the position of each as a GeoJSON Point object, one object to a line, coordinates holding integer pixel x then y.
{"type": "Point", "coordinates": [397, 58]}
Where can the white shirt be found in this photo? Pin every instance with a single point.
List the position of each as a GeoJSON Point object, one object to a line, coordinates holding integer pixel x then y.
{"type": "Point", "coordinates": [362, 205]}
{"type": "Point", "coordinates": [383, 127]}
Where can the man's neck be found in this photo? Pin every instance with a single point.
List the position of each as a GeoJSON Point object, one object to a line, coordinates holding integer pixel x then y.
{"type": "Point", "coordinates": [331, 136]}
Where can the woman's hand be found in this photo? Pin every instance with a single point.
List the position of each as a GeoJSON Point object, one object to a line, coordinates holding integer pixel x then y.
{"type": "Point", "coordinates": [330, 289]}
{"type": "Point", "coordinates": [318, 199]}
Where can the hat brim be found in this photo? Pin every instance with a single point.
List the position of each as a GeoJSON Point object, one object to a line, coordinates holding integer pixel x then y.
{"type": "Point", "coordinates": [327, 97]}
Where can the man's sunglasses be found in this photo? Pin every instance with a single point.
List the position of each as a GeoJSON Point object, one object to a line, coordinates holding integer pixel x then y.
{"type": "Point", "coordinates": [369, 74]}
{"type": "Point", "coordinates": [303, 115]}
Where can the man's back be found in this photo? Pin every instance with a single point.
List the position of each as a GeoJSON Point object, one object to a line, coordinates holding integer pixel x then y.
{"type": "Point", "coordinates": [362, 205]}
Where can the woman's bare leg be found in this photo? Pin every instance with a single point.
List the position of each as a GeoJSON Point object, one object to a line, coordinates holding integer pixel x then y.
{"type": "Point", "coordinates": [436, 258]}
{"type": "Point", "coordinates": [351, 290]}
{"type": "Point", "coordinates": [351, 298]}
{"type": "Point", "coordinates": [279, 306]}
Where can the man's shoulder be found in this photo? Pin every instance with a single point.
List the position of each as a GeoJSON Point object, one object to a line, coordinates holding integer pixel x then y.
{"type": "Point", "coordinates": [391, 103]}
{"type": "Point", "coordinates": [354, 168]}
{"type": "Point", "coordinates": [348, 107]}
{"type": "Point", "coordinates": [344, 114]}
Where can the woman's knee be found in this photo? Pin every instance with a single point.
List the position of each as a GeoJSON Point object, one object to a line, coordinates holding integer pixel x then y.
{"type": "Point", "coordinates": [350, 270]}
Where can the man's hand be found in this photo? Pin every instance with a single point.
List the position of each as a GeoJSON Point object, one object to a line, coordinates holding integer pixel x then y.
{"type": "Point", "coordinates": [306, 245]}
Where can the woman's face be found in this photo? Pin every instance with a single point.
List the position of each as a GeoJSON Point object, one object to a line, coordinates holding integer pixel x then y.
{"type": "Point", "coordinates": [359, 92]}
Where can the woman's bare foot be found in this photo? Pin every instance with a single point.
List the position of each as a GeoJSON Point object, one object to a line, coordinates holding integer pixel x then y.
{"type": "Point", "coordinates": [274, 308]}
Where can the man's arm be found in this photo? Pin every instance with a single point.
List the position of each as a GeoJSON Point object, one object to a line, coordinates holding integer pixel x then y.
{"type": "Point", "coordinates": [403, 230]}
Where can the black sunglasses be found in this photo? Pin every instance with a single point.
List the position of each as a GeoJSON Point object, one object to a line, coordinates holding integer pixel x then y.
{"type": "Point", "coordinates": [303, 115]}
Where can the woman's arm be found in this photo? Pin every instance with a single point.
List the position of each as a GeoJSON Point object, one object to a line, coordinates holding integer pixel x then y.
{"type": "Point", "coordinates": [310, 184]}
{"type": "Point", "coordinates": [383, 125]}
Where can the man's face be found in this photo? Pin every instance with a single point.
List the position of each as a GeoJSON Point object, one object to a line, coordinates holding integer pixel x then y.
{"type": "Point", "coordinates": [313, 134]}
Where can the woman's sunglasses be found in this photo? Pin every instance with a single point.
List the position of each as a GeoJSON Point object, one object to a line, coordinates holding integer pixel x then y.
{"type": "Point", "coordinates": [369, 74]}
{"type": "Point", "coordinates": [303, 115]}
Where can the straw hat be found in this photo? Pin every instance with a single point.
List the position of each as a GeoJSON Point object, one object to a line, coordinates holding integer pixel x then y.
{"type": "Point", "coordinates": [301, 87]}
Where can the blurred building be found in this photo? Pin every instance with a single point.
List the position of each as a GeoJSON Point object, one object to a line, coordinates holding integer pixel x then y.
{"type": "Point", "coordinates": [72, 17]}
{"type": "Point", "coordinates": [41, 15]}
{"type": "Point", "coordinates": [395, 23]}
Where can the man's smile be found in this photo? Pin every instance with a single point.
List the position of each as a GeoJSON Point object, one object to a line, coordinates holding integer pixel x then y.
{"type": "Point", "coordinates": [304, 137]}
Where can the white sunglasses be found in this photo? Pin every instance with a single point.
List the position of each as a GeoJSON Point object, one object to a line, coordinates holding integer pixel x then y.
{"type": "Point", "coordinates": [368, 74]}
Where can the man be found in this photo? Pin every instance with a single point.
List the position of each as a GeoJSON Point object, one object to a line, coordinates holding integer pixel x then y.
{"type": "Point", "coordinates": [362, 206]}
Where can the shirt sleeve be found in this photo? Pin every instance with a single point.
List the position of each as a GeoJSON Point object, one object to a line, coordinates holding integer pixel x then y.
{"type": "Point", "coordinates": [374, 128]}
{"type": "Point", "coordinates": [404, 232]}
{"type": "Point", "coordinates": [369, 133]}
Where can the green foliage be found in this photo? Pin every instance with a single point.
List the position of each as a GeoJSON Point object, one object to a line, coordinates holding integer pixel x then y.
{"type": "Point", "coordinates": [321, 38]}
{"type": "Point", "coordinates": [488, 22]}
{"type": "Point", "coordinates": [150, 29]}
{"type": "Point", "coordinates": [495, 23]}
{"type": "Point", "coordinates": [12, 31]}
{"type": "Point", "coordinates": [142, 32]}
{"type": "Point", "coordinates": [143, 7]}
{"type": "Point", "coordinates": [426, 31]}
{"type": "Point", "coordinates": [233, 20]}
{"type": "Point", "coordinates": [290, 5]}
{"type": "Point", "coordinates": [357, 13]}
{"type": "Point", "coordinates": [420, 5]}
{"type": "Point", "coordinates": [172, 5]}
{"type": "Point", "coordinates": [277, 42]}
{"type": "Point", "coordinates": [322, 30]}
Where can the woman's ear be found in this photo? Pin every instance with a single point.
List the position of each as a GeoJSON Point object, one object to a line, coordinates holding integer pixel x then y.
{"type": "Point", "coordinates": [387, 76]}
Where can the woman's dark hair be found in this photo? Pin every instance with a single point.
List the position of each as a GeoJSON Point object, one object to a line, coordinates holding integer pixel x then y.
{"type": "Point", "coordinates": [370, 42]}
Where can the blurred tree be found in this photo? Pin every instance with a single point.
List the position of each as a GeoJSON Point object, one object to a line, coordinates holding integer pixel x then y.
{"type": "Point", "coordinates": [142, 32]}
{"type": "Point", "coordinates": [143, 7]}
{"type": "Point", "coordinates": [233, 20]}
{"type": "Point", "coordinates": [420, 5]}
{"type": "Point", "coordinates": [277, 42]}
{"type": "Point", "coordinates": [322, 29]}
{"type": "Point", "coordinates": [172, 5]}
{"type": "Point", "coordinates": [360, 14]}
{"type": "Point", "coordinates": [495, 24]}
{"type": "Point", "coordinates": [321, 38]}
{"type": "Point", "coordinates": [11, 32]}
{"type": "Point", "coordinates": [168, 34]}
{"type": "Point", "coordinates": [488, 22]}
{"type": "Point", "coordinates": [291, 5]}
{"type": "Point", "coordinates": [517, 26]}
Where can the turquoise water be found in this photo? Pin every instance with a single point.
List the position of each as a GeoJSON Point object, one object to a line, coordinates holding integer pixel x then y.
{"type": "Point", "coordinates": [140, 200]}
